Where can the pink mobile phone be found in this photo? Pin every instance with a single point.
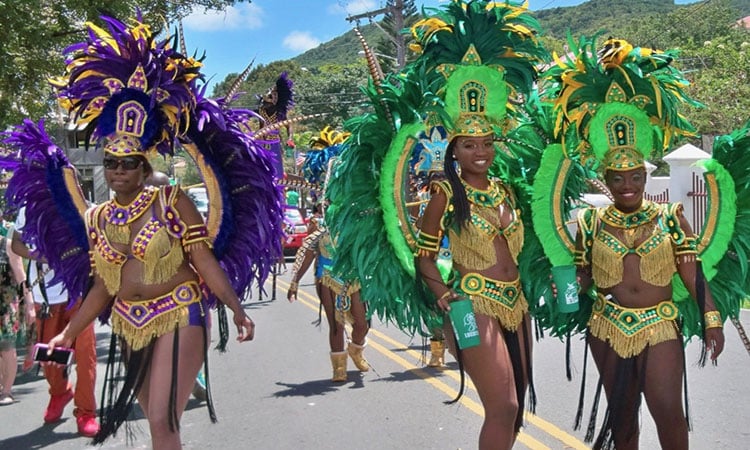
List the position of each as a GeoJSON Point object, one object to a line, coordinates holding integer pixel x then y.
{"type": "Point", "coordinates": [60, 355]}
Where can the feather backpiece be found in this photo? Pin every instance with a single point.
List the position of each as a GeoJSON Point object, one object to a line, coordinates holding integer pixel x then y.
{"type": "Point", "coordinates": [44, 184]}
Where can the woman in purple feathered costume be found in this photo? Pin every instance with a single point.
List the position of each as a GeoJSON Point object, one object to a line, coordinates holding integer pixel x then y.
{"type": "Point", "coordinates": [154, 262]}
{"type": "Point", "coordinates": [273, 109]}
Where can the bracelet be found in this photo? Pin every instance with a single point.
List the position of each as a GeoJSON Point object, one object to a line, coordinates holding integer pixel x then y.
{"type": "Point", "coordinates": [712, 319]}
{"type": "Point", "coordinates": [293, 285]}
{"type": "Point", "coordinates": [445, 295]}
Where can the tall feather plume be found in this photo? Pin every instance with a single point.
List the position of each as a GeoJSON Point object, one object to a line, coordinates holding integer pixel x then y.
{"type": "Point", "coordinates": [237, 82]}
{"type": "Point", "coordinates": [296, 182]}
{"type": "Point", "coordinates": [376, 72]}
{"type": "Point", "coordinates": [183, 46]}
{"type": "Point", "coordinates": [263, 132]}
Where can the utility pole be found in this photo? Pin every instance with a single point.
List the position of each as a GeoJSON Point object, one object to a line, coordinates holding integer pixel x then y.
{"type": "Point", "coordinates": [396, 9]}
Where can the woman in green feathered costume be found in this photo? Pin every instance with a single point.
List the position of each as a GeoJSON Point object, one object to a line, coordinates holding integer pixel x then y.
{"type": "Point", "coordinates": [476, 58]}
{"type": "Point", "coordinates": [614, 107]}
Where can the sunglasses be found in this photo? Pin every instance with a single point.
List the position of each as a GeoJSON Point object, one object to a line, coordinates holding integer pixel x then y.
{"type": "Point", "coordinates": [127, 163]}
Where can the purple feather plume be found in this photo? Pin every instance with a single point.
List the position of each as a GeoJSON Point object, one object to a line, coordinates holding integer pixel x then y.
{"type": "Point", "coordinates": [53, 225]}
{"type": "Point", "coordinates": [249, 240]}
{"type": "Point", "coordinates": [285, 96]}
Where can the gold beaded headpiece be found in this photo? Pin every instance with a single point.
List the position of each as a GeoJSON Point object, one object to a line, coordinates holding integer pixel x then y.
{"type": "Point", "coordinates": [475, 95]}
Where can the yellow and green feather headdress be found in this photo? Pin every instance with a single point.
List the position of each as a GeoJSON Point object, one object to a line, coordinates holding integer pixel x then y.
{"type": "Point", "coordinates": [488, 52]}
{"type": "Point", "coordinates": [616, 106]}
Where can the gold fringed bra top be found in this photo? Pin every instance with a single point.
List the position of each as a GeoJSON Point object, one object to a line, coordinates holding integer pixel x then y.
{"type": "Point", "coordinates": [158, 244]}
{"type": "Point", "coordinates": [604, 251]}
{"type": "Point", "coordinates": [471, 245]}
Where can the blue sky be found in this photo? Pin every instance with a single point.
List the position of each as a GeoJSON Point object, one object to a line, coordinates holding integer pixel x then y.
{"type": "Point", "coordinates": [272, 30]}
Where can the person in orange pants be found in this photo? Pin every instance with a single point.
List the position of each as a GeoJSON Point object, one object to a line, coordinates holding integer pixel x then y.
{"type": "Point", "coordinates": [60, 388]}
{"type": "Point", "coordinates": [53, 314]}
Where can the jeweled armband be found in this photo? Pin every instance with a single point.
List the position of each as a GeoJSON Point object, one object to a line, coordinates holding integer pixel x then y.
{"type": "Point", "coordinates": [579, 259]}
{"type": "Point", "coordinates": [427, 244]}
{"type": "Point", "coordinates": [687, 247]}
{"type": "Point", "coordinates": [687, 250]}
{"type": "Point", "coordinates": [712, 319]}
{"type": "Point", "coordinates": [194, 235]}
{"type": "Point", "coordinates": [92, 264]}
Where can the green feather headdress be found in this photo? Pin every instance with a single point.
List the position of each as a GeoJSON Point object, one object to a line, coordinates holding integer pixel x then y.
{"type": "Point", "coordinates": [499, 37]}
{"type": "Point", "coordinates": [616, 106]}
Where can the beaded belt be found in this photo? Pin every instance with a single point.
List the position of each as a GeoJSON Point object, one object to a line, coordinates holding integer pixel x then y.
{"type": "Point", "coordinates": [503, 300]}
{"type": "Point", "coordinates": [138, 322]}
{"type": "Point", "coordinates": [630, 330]}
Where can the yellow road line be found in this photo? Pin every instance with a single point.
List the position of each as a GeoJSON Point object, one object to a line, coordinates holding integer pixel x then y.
{"type": "Point", "coordinates": [549, 428]}
{"type": "Point", "coordinates": [544, 425]}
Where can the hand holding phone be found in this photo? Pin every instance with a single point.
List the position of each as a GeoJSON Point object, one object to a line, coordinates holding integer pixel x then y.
{"type": "Point", "coordinates": [60, 355]}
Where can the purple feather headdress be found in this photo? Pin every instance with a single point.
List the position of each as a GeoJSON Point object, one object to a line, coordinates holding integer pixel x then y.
{"type": "Point", "coordinates": [130, 89]}
{"type": "Point", "coordinates": [284, 98]}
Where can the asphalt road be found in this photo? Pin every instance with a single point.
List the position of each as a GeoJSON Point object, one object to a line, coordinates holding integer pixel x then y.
{"type": "Point", "coordinates": [275, 393]}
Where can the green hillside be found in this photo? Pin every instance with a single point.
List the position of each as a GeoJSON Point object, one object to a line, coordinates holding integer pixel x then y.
{"type": "Point", "coordinates": [594, 15]}
{"type": "Point", "coordinates": [340, 50]}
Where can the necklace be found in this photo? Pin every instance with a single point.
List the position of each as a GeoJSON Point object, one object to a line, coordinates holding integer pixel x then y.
{"type": "Point", "coordinates": [491, 197]}
{"type": "Point", "coordinates": [618, 219]}
{"type": "Point", "coordinates": [632, 226]}
{"type": "Point", "coordinates": [118, 214]}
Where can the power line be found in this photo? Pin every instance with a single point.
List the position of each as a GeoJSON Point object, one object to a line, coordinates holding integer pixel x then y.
{"type": "Point", "coordinates": [690, 14]}
{"type": "Point", "coordinates": [346, 102]}
{"type": "Point", "coordinates": [548, 3]}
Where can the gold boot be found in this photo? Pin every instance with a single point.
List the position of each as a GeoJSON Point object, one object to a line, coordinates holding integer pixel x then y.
{"type": "Point", "coordinates": [437, 350]}
{"type": "Point", "coordinates": [338, 361]}
{"type": "Point", "coordinates": [355, 351]}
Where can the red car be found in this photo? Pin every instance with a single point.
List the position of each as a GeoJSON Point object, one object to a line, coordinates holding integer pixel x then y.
{"type": "Point", "coordinates": [295, 228]}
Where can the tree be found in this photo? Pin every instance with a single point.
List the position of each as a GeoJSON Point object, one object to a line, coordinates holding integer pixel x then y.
{"type": "Point", "coordinates": [399, 17]}
{"type": "Point", "coordinates": [329, 89]}
{"type": "Point", "coordinates": [721, 81]}
{"type": "Point", "coordinates": [714, 55]}
{"type": "Point", "coordinates": [35, 32]}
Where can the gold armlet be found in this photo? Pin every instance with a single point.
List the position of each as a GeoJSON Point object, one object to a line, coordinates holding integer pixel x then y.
{"type": "Point", "coordinates": [686, 258]}
{"type": "Point", "coordinates": [578, 258]}
{"type": "Point", "coordinates": [428, 243]}
{"type": "Point", "coordinates": [687, 248]}
{"type": "Point", "coordinates": [712, 319]}
{"type": "Point", "coordinates": [92, 263]}
{"type": "Point", "coordinates": [195, 234]}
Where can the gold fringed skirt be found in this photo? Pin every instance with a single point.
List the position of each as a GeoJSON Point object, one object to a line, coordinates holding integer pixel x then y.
{"type": "Point", "coordinates": [503, 300]}
{"type": "Point", "coordinates": [140, 322]}
{"type": "Point", "coordinates": [630, 330]}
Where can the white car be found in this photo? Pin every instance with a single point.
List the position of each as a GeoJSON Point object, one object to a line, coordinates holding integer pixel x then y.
{"type": "Point", "coordinates": [199, 196]}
